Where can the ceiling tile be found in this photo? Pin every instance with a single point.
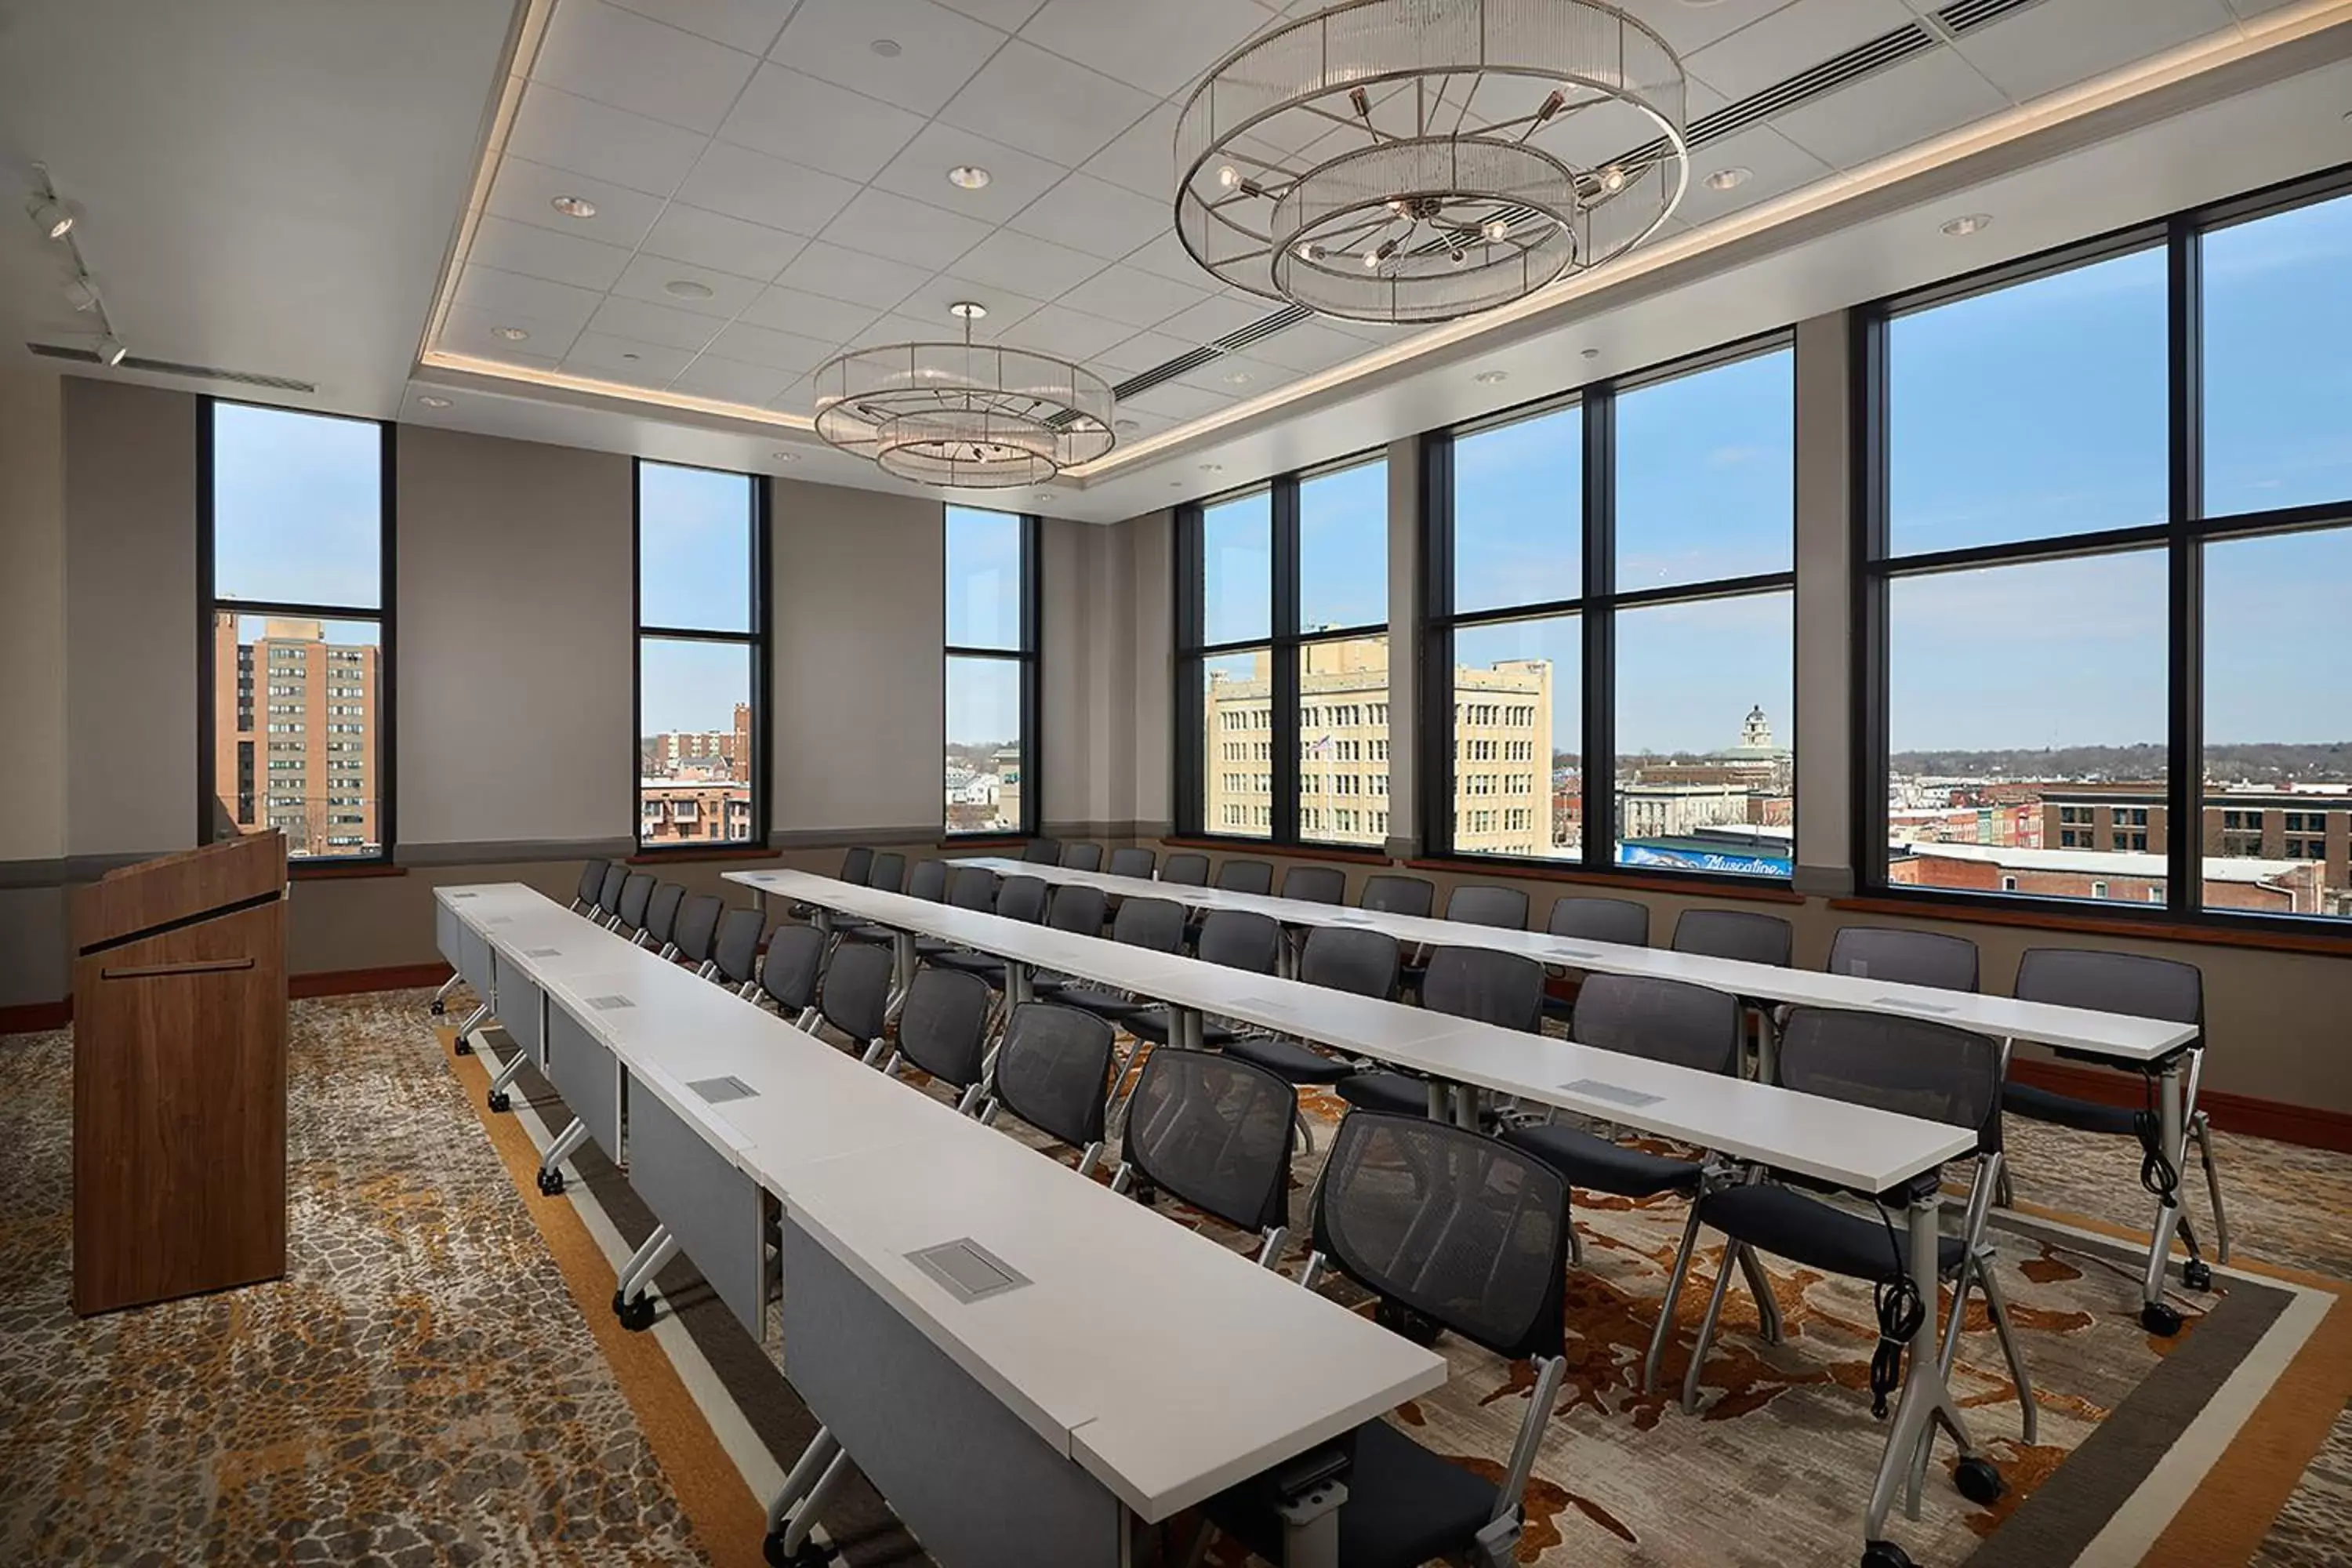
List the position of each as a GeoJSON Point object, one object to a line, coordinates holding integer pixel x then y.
{"type": "Point", "coordinates": [1088, 215]}
{"type": "Point", "coordinates": [1308, 347]}
{"type": "Point", "coordinates": [799, 398]}
{"type": "Point", "coordinates": [501, 293]}
{"type": "Point", "coordinates": [513, 247]}
{"type": "Point", "coordinates": [1144, 159]}
{"type": "Point", "coordinates": [1071, 334]}
{"type": "Point", "coordinates": [938, 48]}
{"type": "Point", "coordinates": [738, 24]}
{"type": "Point", "coordinates": [1026, 264]}
{"type": "Point", "coordinates": [1215, 317]}
{"type": "Point", "coordinates": [2044, 47]}
{"type": "Point", "coordinates": [1165, 257]}
{"type": "Point", "coordinates": [788, 115]}
{"type": "Point", "coordinates": [1159, 48]}
{"type": "Point", "coordinates": [1145, 351]}
{"type": "Point", "coordinates": [1795, 38]}
{"type": "Point", "coordinates": [619, 58]}
{"type": "Point", "coordinates": [648, 277]}
{"type": "Point", "coordinates": [742, 184]}
{"type": "Point", "coordinates": [1775, 166]}
{"type": "Point", "coordinates": [650, 323]}
{"type": "Point", "coordinates": [645, 364]}
{"type": "Point", "coordinates": [724, 244]}
{"type": "Point", "coordinates": [1691, 24]}
{"type": "Point", "coordinates": [1923, 97]}
{"type": "Point", "coordinates": [1007, 308]}
{"type": "Point", "coordinates": [777, 351]}
{"type": "Point", "coordinates": [1006, 15]}
{"type": "Point", "coordinates": [526, 191]}
{"type": "Point", "coordinates": [1256, 376]}
{"type": "Point", "coordinates": [896, 328]}
{"type": "Point", "coordinates": [568, 132]}
{"type": "Point", "coordinates": [881, 224]}
{"type": "Point", "coordinates": [1174, 400]}
{"type": "Point", "coordinates": [471, 330]}
{"type": "Point", "coordinates": [733, 380]}
{"type": "Point", "coordinates": [1040, 103]}
{"type": "Point", "coordinates": [808, 315]}
{"type": "Point", "coordinates": [1129, 294]}
{"type": "Point", "coordinates": [1014, 178]}
{"type": "Point", "coordinates": [841, 274]}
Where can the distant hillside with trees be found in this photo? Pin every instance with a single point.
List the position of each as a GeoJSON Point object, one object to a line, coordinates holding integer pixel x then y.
{"type": "Point", "coordinates": [2263, 763]}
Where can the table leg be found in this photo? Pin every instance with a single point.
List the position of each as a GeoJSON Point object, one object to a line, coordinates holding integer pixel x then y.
{"type": "Point", "coordinates": [1310, 1526]}
{"type": "Point", "coordinates": [2155, 1314]}
{"type": "Point", "coordinates": [902, 968]}
{"type": "Point", "coordinates": [1019, 984]}
{"type": "Point", "coordinates": [1926, 1399]}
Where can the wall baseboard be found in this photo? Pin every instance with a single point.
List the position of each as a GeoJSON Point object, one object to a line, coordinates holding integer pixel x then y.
{"type": "Point", "coordinates": [37, 1017]}
{"type": "Point", "coordinates": [2311, 1126]}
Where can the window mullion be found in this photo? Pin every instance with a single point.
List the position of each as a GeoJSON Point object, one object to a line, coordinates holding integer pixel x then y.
{"type": "Point", "coordinates": [2185, 775]}
{"type": "Point", "coordinates": [1598, 769]}
{"type": "Point", "coordinates": [1284, 659]}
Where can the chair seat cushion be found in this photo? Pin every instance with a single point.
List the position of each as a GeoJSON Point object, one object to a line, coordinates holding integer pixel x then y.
{"type": "Point", "coordinates": [978, 963]}
{"type": "Point", "coordinates": [866, 930]}
{"type": "Point", "coordinates": [1807, 1231]}
{"type": "Point", "coordinates": [1152, 1024]}
{"type": "Point", "coordinates": [1405, 1506]}
{"type": "Point", "coordinates": [1400, 1093]}
{"type": "Point", "coordinates": [1101, 1004]}
{"type": "Point", "coordinates": [2047, 1105]}
{"type": "Point", "coordinates": [1289, 1059]}
{"type": "Point", "coordinates": [1589, 1161]}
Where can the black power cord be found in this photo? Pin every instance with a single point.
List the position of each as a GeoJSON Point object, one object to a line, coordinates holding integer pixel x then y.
{"type": "Point", "coordinates": [2157, 1173]}
{"type": "Point", "coordinates": [1900, 1313]}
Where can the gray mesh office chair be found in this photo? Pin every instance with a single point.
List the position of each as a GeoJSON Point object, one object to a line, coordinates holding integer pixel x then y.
{"type": "Point", "coordinates": [1042, 852]}
{"type": "Point", "coordinates": [1052, 1071]}
{"type": "Point", "coordinates": [854, 996]}
{"type": "Point", "coordinates": [1080, 910]}
{"type": "Point", "coordinates": [943, 1030]}
{"type": "Point", "coordinates": [1475, 982]}
{"type": "Point", "coordinates": [1134, 861]}
{"type": "Point", "coordinates": [927, 880]}
{"type": "Point", "coordinates": [2146, 988]}
{"type": "Point", "coordinates": [1316, 884]}
{"type": "Point", "coordinates": [1245, 877]}
{"type": "Point", "coordinates": [855, 864]}
{"type": "Point", "coordinates": [1344, 958]}
{"type": "Point", "coordinates": [1017, 899]}
{"type": "Point", "coordinates": [636, 892]}
{"type": "Point", "coordinates": [1082, 857]}
{"type": "Point", "coordinates": [1905, 957]}
{"type": "Point", "coordinates": [735, 949]}
{"type": "Point", "coordinates": [888, 872]}
{"type": "Point", "coordinates": [1216, 1133]}
{"type": "Point", "coordinates": [1398, 895]}
{"type": "Point", "coordinates": [1664, 1021]}
{"type": "Point", "coordinates": [661, 918]}
{"type": "Point", "coordinates": [592, 882]}
{"type": "Point", "coordinates": [1186, 869]}
{"type": "Point", "coordinates": [1237, 939]}
{"type": "Point", "coordinates": [697, 928]}
{"type": "Point", "coordinates": [1905, 1065]}
{"type": "Point", "coordinates": [1157, 924]}
{"type": "Point", "coordinates": [1472, 1235]}
{"type": "Point", "coordinates": [1735, 933]}
{"type": "Point", "coordinates": [1621, 922]}
{"type": "Point", "coordinates": [789, 975]}
{"type": "Point", "coordinates": [1476, 904]}
{"type": "Point", "coordinates": [969, 888]}
{"type": "Point", "coordinates": [607, 908]}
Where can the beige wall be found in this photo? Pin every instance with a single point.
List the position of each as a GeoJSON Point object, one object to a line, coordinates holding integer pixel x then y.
{"type": "Point", "coordinates": [33, 613]}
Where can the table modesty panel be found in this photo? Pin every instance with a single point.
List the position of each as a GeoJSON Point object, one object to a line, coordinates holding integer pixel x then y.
{"type": "Point", "coordinates": [586, 1075]}
{"type": "Point", "coordinates": [718, 1213]}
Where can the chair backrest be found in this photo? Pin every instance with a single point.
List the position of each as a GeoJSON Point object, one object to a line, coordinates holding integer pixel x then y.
{"type": "Point", "coordinates": [1665, 1020]}
{"type": "Point", "coordinates": [1390, 1214]}
{"type": "Point", "coordinates": [795, 960]}
{"type": "Point", "coordinates": [661, 913]}
{"type": "Point", "coordinates": [1734, 933]}
{"type": "Point", "coordinates": [736, 946]}
{"type": "Point", "coordinates": [888, 872]}
{"type": "Point", "coordinates": [1053, 1070]}
{"type": "Point", "coordinates": [972, 888]}
{"type": "Point", "coordinates": [927, 880]}
{"type": "Point", "coordinates": [608, 891]}
{"type": "Point", "coordinates": [855, 995]}
{"type": "Point", "coordinates": [2113, 983]}
{"type": "Point", "coordinates": [636, 893]}
{"type": "Point", "coordinates": [943, 1024]}
{"type": "Point", "coordinates": [1079, 909]}
{"type": "Point", "coordinates": [1239, 939]}
{"type": "Point", "coordinates": [1186, 869]}
{"type": "Point", "coordinates": [1082, 857]}
{"type": "Point", "coordinates": [1023, 898]}
{"type": "Point", "coordinates": [1316, 884]}
{"type": "Point", "coordinates": [1905, 957]}
{"type": "Point", "coordinates": [1214, 1131]}
{"type": "Point", "coordinates": [1154, 924]}
{"type": "Point", "coordinates": [1042, 852]}
{"type": "Point", "coordinates": [1619, 921]}
{"type": "Point", "coordinates": [697, 926]}
{"type": "Point", "coordinates": [592, 880]}
{"type": "Point", "coordinates": [1343, 959]}
{"type": "Point", "coordinates": [1135, 862]}
{"type": "Point", "coordinates": [1395, 894]}
{"type": "Point", "coordinates": [1910, 1066]}
{"type": "Point", "coordinates": [1490, 987]}
{"type": "Point", "coordinates": [1482, 904]}
{"type": "Point", "coordinates": [1245, 877]}
{"type": "Point", "coordinates": [855, 863]}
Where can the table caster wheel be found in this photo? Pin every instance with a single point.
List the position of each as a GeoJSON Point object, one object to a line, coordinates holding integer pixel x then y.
{"type": "Point", "coordinates": [439, 1008]}
{"type": "Point", "coordinates": [620, 1303]}
{"type": "Point", "coordinates": [1885, 1554]}
{"type": "Point", "coordinates": [498, 1100]}
{"type": "Point", "coordinates": [2160, 1317]}
{"type": "Point", "coordinates": [2197, 1274]}
{"type": "Point", "coordinates": [637, 1314]}
{"type": "Point", "coordinates": [464, 1047]}
{"type": "Point", "coordinates": [1144, 1193]}
{"type": "Point", "coordinates": [1402, 1320]}
{"type": "Point", "coordinates": [809, 1556]}
{"type": "Point", "coordinates": [1978, 1481]}
{"type": "Point", "coordinates": [550, 1183]}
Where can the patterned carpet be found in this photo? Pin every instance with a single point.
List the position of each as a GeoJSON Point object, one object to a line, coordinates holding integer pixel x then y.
{"type": "Point", "coordinates": [422, 1388]}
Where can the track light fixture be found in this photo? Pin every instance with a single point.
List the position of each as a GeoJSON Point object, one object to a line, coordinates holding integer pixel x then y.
{"type": "Point", "coordinates": [110, 350]}
{"type": "Point", "coordinates": [81, 293]}
{"type": "Point", "coordinates": [50, 215]}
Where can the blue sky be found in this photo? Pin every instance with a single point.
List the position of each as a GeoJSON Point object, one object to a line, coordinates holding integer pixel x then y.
{"type": "Point", "coordinates": [297, 508]}
{"type": "Point", "coordinates": [694, 571]}
{"type": "Point", "coordinates": [983, 610]}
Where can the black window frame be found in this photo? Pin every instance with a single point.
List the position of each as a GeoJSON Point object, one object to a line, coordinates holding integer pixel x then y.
{"type": "Point", "coordinates": [2182, 536]}
{"type": "Point", "coordinates": [1596, 607]}
{"type": "Point", "coordinates": [1024, 655]}
{"type": "Point", "coordinates": [208, 604]}
{"type": "Point", "coordinates": [761, 646]}
{"type": "Point", "coordinates": [1282, 641]}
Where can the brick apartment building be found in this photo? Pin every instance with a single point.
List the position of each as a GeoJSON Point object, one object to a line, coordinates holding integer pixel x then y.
{"type": "Point", "coordinates": [674, 752]}
{"type": "Point", "coordinates": [295, 736]}
{"type": "Point", "coordinates": [2311, 824]}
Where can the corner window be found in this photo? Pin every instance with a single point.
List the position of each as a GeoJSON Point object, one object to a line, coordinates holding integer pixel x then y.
{"type": "Point", "coordinates": [701, 656]}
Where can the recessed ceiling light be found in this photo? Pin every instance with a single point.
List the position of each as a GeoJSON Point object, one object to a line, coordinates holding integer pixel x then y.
{"type": "Point", "coordinates": [1126, 426]}
{"type": "Point", "coordinates": [887, 47]}
{"type": "Point", "coordinates": [52, 219]}
{"type": "Point", "coordinates": [1730, 179]}
{"type": "Point", "coordinates": [1212, 467]}
{"type": "Point", "coordinates": [1968, 224]}
{"type": "Point", "coordinates": [512, 334]}
{"type": "Point", "coordinates": [686, 288]}
{"type": "Point", "coordinates": [433, 402]}
{"type": "Point", "coordinates": [785, 457]}
{"type": "Point", "coordinates": [1592, 353]}
{"type": "Point", "coordinates": [968, 309]}
{"type": "Point", "coordinates": [968, 176]}
{"type": "Point", "coordinates": [1238, 378]}
{"type": "Point", "coordinates": [1492, 377]}
{"type": "Point", "coordinates": [574, 206]}
{"type": "Point", "coordinates": [628, 354]}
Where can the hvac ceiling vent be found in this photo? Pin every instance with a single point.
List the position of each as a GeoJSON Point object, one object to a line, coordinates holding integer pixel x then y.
{"type": "Point", "coordinates": [1967, 16]}
{"type": "Point", "coordinates": [173, 367]}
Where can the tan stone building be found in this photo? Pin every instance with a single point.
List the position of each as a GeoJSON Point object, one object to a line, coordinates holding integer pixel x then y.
{"type": "Point", "coordinates": [295, 741]}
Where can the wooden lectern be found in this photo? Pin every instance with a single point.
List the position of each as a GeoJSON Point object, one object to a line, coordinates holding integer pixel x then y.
{"type": "Point", "coordinates": [180, 1075]}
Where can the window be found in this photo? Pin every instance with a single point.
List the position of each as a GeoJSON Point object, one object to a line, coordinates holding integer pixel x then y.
{"type": "Point", "coordinates": [1614, 578]}
{"type": "Point", "coordinates": [702, 659]}
{"type": "Point", "coordinates": [295, 561]}
{"type": "Point", "coordinates": [2108, 542]}
{"type": "Point", "coordinates": [991, 671]}
{"type": "Point", "coordinates": [1282, 618]}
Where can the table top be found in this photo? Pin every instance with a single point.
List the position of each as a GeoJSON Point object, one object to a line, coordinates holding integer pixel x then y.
{"type": "Point", "coordinates": [2119, 1036]}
